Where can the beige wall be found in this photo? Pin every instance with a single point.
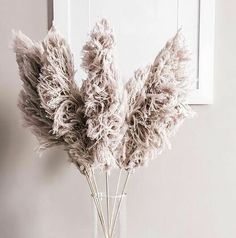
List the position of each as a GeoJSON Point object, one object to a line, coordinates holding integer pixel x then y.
{"type": "Point", "coordinates": [190, 192]}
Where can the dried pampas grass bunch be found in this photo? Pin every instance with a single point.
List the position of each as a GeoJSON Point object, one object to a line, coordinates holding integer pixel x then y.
{"type": "Point", "coordinates": [95, 124]}
{"type": "Point", "coordinates": [103, 124]}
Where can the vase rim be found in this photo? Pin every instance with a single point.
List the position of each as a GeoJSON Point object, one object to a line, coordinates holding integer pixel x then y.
{"type": "Point", "coordinates": [111, 196]}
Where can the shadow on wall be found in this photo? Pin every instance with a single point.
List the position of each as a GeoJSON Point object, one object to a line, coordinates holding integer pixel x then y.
{"type": "Point", "coordinates": [50, 13]}
{"type": "Point", "coordinates": [4, 137]}
{"type": "Point", "coordinates": [22, 176]}
{"type": "Point", "coordinates": [33, 191]}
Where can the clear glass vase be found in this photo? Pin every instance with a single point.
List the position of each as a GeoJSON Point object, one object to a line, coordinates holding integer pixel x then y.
{"type": "Point", "coordinates": [110, 216]}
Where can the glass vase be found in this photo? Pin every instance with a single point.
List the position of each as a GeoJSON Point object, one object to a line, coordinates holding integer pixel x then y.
{"type": "Point", "coordinates": [110, 216]}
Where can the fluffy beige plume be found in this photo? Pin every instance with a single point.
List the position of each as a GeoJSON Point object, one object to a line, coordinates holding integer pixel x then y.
{"type": "Point", "coordinates": [56, 82]}
{"type": "Point", "coordinates": [96, 125]}
{"type": "Point", "coordinates": [29, 60]}
{"type": "Point", "coordinates": [61, 99]}
{"type": "Point", "coordinates": [160, 107]}
{"type": "Point", "coordinates": [101, 95]}
{"type": "Point", "coordinates": [50, 101]}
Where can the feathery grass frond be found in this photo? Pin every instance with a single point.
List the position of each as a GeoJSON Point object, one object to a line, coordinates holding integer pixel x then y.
{"type": "Point", "coordinates": [161, 105]}
{"type": "Point", "coordinates": [29, 60]}
{"type": "Point", "coordinates": [100, 93]}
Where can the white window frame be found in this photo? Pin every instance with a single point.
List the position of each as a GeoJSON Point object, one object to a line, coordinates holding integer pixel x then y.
{"type": "Point", "coordinates": [202, 95]}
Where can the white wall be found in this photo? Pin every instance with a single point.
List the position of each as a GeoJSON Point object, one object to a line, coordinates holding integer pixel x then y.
{"type": "Point", "coordinates": [190, 192]}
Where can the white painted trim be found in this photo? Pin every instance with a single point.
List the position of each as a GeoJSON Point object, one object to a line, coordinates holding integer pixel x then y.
{"type": "Point", "coordinates": [61, 17]}
{"type": "Point", "coordinates": [203, 95]}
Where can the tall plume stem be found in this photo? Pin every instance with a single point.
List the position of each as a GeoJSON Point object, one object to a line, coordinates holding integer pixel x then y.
{"type": "Point", "coordinates": [96, 200]}
{"type": "Point", "coordinates": [120, 203]}
{"type": "Point", "coordinates": [108, 199]}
